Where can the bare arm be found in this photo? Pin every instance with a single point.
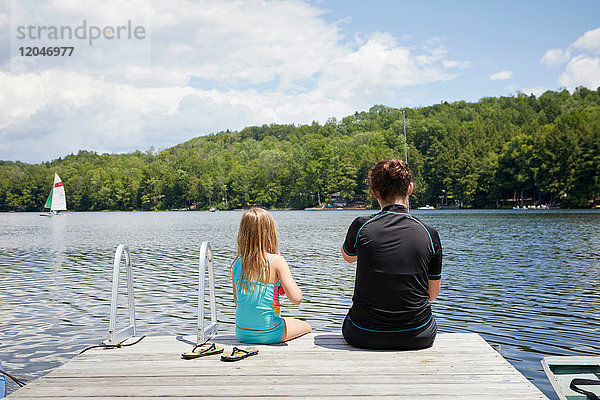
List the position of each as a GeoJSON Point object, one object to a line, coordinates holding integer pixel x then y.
{"type": "Point", "coordinates": [292, 291]}
{"type": "Point", "coordinates": [434, 289]}
{"type": "Point", "coordinates": [347, 257]}
{"type": "Point", "coordinates": [233, 282]}
{"type": "Point", "coordinates": [234, 295]}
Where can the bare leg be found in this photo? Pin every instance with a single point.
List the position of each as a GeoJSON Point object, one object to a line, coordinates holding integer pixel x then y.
{"type": "Point", "coordinates": [294, 328]}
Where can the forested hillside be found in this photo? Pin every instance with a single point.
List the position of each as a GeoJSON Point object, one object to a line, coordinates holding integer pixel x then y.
{"type": "Point", "coordinates": [495, 152]}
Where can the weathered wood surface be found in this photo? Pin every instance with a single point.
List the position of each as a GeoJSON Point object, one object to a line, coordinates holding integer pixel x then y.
{"type": "Point", "coordinates": [320, 365]}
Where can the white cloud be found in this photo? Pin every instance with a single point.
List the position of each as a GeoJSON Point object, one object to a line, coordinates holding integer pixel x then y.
{"type": "Point", "coordinates": [555, 57]}
{"type": "Point", "coordinates": [57, 113]}
{"type": "Point", "coordinates": [589, 41]}
{"type": "Point", "coordinates": [583, 66]}
{"type": "Point", "coordinates": [582, 70]}
{"type": "Point", "coordinates": [456, 64]}
{"type": "Point", "coordinates": [376, 69]}
{"type": "Point", "coordinates": [536, 91]}
{"type": "Point", "coordinates": [502, 75]}
{"type": "Point", "coordinates": [206, 66]}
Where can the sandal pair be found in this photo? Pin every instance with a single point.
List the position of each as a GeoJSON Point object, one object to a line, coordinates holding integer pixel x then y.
{"type": "Point", "coordinates": [239, 353]}
{"type": "Point", "coordinates": [236, 354]}
{"type": "Point", "coordinates": [203, 350]}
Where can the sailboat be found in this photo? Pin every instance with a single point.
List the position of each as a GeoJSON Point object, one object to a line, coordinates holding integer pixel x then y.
{"type": "Point", "coordinates": [56, 200]}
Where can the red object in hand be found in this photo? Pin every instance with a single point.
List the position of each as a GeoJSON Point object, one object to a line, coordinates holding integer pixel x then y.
{"type": "Point", "coordinates": [281, 291]}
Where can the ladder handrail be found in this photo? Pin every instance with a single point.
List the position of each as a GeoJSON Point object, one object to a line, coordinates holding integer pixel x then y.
{"type": "Point", "coordinates": [205, 262]}
{"type": "Point", "coordinates": [206, 259]}
{"type": "Point", "coordinates": [113, 336]}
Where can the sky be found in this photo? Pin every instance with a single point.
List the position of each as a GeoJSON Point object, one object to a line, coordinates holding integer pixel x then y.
{"type": "Point", "coordinates": [154, 73]}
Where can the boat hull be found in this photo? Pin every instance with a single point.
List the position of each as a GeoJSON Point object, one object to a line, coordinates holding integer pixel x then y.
{"type": "Point", "coordinates": [2, 384]}
{"type": "Point", "coordinates": [561, 370]}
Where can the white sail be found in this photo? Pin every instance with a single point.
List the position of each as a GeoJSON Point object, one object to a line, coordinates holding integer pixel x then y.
{"type": "Point", "coordinates": [59, 201]}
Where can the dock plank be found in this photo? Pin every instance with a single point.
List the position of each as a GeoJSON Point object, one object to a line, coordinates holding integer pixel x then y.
{"type": "Point", "coordinates": [319, 365]}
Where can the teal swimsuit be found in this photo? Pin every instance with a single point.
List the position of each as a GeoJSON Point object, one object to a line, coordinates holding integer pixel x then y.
{"type": "Point", "coordinates": [257, 314]}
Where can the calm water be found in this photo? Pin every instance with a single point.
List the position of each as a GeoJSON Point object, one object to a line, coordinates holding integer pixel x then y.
{"type": "Point", "coordinates": [526, 280]}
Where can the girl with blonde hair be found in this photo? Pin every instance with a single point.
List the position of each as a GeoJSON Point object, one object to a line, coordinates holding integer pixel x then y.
{"type": "Point", "coordinates": [259, 276]}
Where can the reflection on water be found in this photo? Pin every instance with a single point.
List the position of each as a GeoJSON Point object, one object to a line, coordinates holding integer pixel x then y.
{"type": "Point", "coordinates": [527, 280]}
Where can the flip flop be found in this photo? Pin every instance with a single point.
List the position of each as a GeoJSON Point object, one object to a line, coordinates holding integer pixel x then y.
{"type": "Point", "coordinates": [202, 350]}
{"type": "Point", "coordinates": [238, 353]}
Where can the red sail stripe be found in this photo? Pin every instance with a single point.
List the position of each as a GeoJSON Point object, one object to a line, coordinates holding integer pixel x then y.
{"type": "Point", "coordinates": [57, 184]}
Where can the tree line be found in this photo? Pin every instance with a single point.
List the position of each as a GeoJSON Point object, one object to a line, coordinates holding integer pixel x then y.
{"type": "Point", "coordinates": [497, 152]}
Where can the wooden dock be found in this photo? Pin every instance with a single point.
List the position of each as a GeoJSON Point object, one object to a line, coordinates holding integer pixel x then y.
{"type": "Point", "coordinates": [319, 365]}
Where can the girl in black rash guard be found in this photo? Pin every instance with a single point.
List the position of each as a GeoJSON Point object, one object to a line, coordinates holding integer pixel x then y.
{"type": "Point", "coordinates": [399, 268]}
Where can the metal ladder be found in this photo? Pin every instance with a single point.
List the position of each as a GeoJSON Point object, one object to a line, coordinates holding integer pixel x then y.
{"type": "Point", "coordinates": [203, 333]}
{"type": "Point", "coordinates": [115, 337]}
{"type": "Point", "coordinates": [206, 259]}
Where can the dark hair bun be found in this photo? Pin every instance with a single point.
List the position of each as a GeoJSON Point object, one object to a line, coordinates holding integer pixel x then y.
{"type": "Point", "coordinates": [391, 178]}
{"type": "Point", "coordinates": [394, 169]}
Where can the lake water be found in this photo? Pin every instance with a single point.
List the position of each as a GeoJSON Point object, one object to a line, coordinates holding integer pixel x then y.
{"type": "Point", "coordinates": [526, 280]}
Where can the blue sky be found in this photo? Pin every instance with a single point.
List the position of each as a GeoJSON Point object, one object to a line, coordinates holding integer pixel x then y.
{"type": "Point", "coordinates": [206, 66]}
{"type": "Point", "coordinates": [492, 36]}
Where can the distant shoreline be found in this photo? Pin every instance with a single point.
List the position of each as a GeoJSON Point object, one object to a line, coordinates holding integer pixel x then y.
{"type": "Point", "coordinates": [538, 211]}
